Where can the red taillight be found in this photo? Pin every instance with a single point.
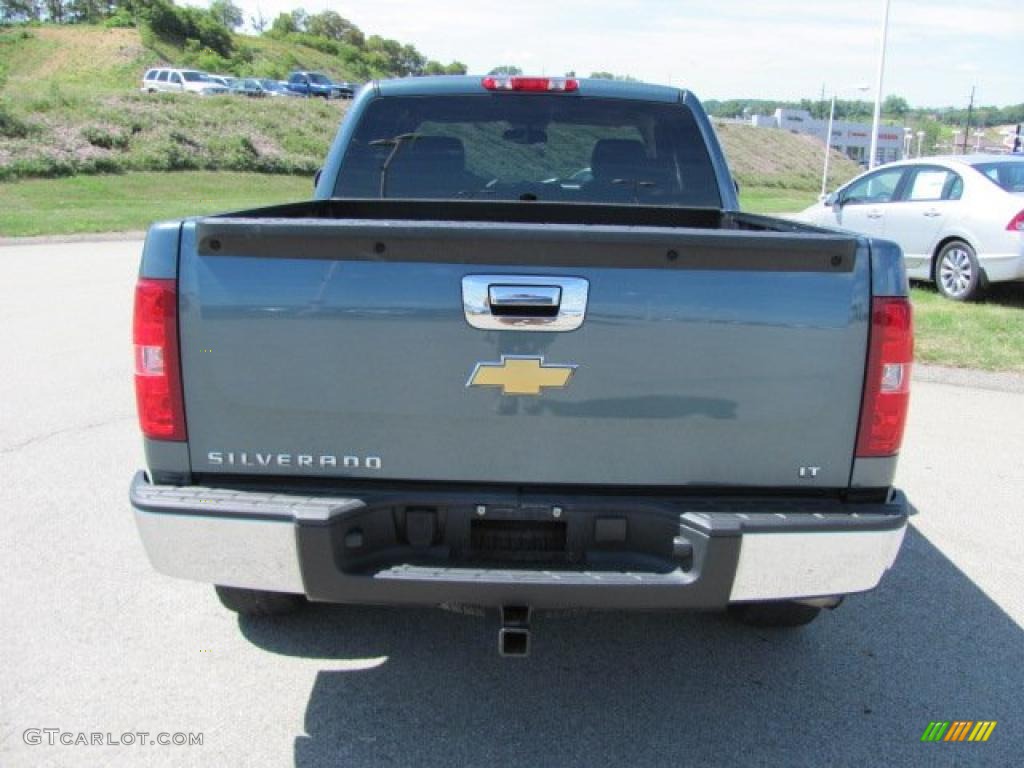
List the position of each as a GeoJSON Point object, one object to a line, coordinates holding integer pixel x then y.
{"type": "Point", "coordinates": [887, 387]}
{"type": "Point", "coordinates": [157, 371]}
{"type": "Point", "coordinates": [1016, 223]}
{"type": "Point", "coordinates": [517, 83]}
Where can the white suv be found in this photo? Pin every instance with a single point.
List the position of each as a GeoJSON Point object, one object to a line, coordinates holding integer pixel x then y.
{"type": "Point", "coordinates": [180, 81]}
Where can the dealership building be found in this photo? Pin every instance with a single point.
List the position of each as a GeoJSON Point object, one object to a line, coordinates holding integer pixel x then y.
{"type": "Point", "coordinates": [852, 139]}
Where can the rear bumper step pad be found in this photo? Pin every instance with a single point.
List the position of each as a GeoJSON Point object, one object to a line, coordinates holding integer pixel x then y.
{"type": "Point", "coordinates": [586, 551]}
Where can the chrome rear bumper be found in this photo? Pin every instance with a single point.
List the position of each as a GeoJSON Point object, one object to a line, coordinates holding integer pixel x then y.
{"type": "Point", "coordinates": [600, 552]}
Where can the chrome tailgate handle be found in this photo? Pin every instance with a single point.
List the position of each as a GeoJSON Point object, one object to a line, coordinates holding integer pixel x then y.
{"type": "Point", "coordinates": [524, 302]}
{"type": "Point", "coordinates": [541, 300]}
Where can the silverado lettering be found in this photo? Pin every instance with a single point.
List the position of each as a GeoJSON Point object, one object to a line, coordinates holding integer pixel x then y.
{"type": "Point", "coordinates": [299, 460]}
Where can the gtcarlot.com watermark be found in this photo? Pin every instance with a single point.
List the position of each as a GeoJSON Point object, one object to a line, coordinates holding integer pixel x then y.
{"type": "Point", "coordinates": [57, 737]}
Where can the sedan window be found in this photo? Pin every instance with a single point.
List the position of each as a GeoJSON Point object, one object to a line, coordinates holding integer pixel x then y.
{"type": "Point", "coordinates": [932, 183]}
{"type": "Point", "coordinates": [1007, 174]}
{"type": "Point", "coordinates": [954, 188]}
{"type": "Point", "coordinates": [879, 187]}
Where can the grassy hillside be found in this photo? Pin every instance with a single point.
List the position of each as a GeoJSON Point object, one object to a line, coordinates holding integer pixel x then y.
{"type": "Point", "coordinates": [59, 133]}
{"type": "Point", "coordinates": [70, 104]}
{"type": "Point", "coordinates": [765, 157]}
{"type": "Point", "coordinates": [93, 60]}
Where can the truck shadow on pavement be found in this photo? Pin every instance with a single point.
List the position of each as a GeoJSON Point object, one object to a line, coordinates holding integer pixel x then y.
{"type": "Point", "coordinates": [856, 687]}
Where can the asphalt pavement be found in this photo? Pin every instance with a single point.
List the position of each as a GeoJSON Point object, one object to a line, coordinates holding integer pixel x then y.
{"type": "Point", "coordinates": [94, 641]}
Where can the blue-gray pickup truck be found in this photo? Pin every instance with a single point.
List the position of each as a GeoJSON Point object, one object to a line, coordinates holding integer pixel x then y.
{"type": "Point", "coordinates": [522, 350]}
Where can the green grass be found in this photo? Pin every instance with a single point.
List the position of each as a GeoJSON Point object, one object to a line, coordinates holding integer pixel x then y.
{"type": "Point", "coordinates": [775, 200]}
{"type": "Point", "coordinates": [988, 335]}
{"type": "Point", "coordinates": [132, 201]}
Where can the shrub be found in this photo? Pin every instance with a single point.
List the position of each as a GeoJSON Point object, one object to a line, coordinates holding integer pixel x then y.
{"type": "Point", "coordinates": [12, 126]}
{"type": "Point", "coordinates": [101, 165]}
{"type": "Point", "coordinates": [37, 166]}
{"type": "Point", "coordinates": [177, 25]}
{"type": "Point", "coordinates": [205, 59]}
{"type": "Point", "coordinates": [241, 155]}
{"type": "Point", "coordinates": [172, 156]}
{"type": "Point", "coordinates": [120, 20]}
{"type": "Point", "coordinates": [105, 139]}
{"type": "Point", "coordinates": [184, 140]}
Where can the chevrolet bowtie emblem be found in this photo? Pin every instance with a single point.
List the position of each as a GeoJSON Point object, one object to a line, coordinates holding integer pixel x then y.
{"type": "Point", "coordinates": [520, 375]}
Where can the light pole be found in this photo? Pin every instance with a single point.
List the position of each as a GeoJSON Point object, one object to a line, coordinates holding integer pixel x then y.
{"type": "Point", "coordinates": [828, 146]}
{"type": "Point", "coordinates": [828, 139]}
{"type": "Point", "coordinates": [920, 138]}
{"type": "Point", "coordinates": [876, 122]}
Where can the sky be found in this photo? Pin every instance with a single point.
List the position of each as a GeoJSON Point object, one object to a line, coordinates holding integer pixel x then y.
{"type": "Point", "coordinates": [771, 49]}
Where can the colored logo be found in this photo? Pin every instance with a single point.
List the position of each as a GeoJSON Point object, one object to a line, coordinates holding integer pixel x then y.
{"type": "Point", "coordinates": [959, 730]}
{"type": "Point", "coordinates": [520, 375]}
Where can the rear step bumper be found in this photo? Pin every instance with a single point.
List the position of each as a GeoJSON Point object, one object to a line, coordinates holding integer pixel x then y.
{"type": "Point", "coordinates": [498, 549]}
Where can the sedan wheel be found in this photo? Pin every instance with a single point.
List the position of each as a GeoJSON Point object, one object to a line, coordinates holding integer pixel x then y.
{"type": "Point", "coordinates": [957, 274]}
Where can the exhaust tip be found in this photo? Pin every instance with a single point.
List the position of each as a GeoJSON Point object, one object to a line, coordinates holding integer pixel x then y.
{"type": "Point", "coordinates": [514, 642]}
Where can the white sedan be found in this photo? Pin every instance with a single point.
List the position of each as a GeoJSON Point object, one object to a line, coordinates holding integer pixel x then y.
{"type": "Point", "coordinates": [959, 220]}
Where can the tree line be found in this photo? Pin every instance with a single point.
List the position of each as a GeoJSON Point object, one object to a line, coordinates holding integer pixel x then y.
{"type": "Point", "coordinates": [893, 108]}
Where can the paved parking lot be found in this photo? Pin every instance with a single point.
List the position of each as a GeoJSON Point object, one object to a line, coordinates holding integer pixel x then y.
{"type": "Point", "coordinates": [94, 641]}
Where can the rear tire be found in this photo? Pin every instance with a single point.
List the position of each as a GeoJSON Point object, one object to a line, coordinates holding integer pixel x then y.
{"type": "Point", "coordinates": [257, 602]}
{"type": "Point", "coordinates": [780, 614]}
{"type": "Point", "coordinates": [957, 273]}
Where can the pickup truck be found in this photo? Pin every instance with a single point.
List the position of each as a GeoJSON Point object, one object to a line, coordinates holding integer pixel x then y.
{"type": "Point", "coordinates": [466, 374]}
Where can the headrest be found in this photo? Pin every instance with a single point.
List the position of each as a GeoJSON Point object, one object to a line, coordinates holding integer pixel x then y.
{"type": "Point", "coordinates": [610, 156]}
{"type": "Point", "coordinates": [443, 153]}
{"type": "Point", "coordinates": [430, 166]}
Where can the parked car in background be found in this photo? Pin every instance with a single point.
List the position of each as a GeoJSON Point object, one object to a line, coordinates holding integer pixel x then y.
{"type": "Point", "coordinates": [346, 89]}
{"type": "Point", "coordinates": [277, 88]}
{"type": "Point", "coordinates": [317, 84]}
{"type": "Point", "coordinates": [958, 219]}
{"type": "Point", "coordinates": [226, 80]}
{"type": "Point", "coordinates": [248, 86]}
{"type": "Point", "coordinates": [165, 80]}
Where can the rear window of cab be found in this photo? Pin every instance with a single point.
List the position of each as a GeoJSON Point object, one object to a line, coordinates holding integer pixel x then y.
{"type": "Point", "coordinates": [529, 147]}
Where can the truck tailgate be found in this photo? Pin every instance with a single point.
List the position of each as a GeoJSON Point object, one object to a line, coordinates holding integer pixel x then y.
{"type": "Point", "coordinates": [343, 348]}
